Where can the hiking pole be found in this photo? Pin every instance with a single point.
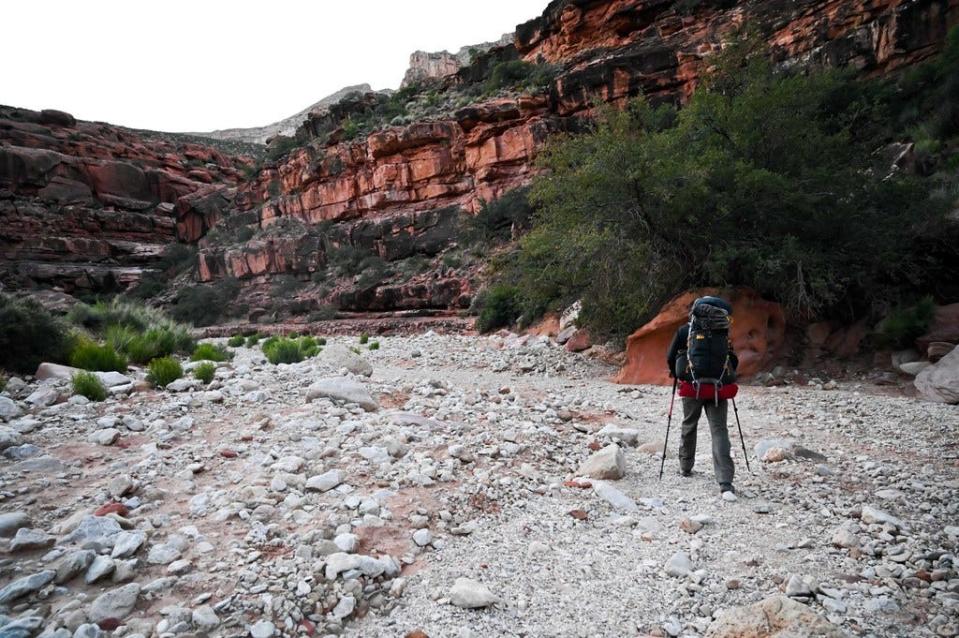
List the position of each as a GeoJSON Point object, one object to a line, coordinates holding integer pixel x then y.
{"type": "Point", "coordinates": [741, 439]}
{"type": "Point", "coordinates": [669, 420]}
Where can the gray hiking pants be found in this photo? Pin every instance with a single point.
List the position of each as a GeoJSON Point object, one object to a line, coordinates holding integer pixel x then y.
{"type": "Point", "coordinates": [716, 415]}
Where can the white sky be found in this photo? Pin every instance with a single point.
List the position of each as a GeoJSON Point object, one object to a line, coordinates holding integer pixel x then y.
{"type": "Point", "coordinates": [199, 65]}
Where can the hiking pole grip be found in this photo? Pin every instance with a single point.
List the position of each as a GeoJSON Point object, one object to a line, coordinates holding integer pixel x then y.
{"type": "Point", "coordinates": [741, 439]}
{"type": "Point", "coordinates": [669, 421]}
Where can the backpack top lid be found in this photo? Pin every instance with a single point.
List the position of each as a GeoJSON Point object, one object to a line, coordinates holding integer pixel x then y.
{"type": "Point", "coordinates": [715, 301]}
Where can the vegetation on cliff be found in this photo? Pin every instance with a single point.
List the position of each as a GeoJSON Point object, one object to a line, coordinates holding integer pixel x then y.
{"type": "Point", "coordinates": [771, 178]}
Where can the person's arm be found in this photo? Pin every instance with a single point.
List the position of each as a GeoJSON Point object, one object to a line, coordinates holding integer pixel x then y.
{"type": "Point", "coordinates": [678, 343]}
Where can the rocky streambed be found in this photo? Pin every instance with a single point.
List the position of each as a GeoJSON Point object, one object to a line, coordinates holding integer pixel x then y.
{"type": "Point", "coordinates": [435, 487]}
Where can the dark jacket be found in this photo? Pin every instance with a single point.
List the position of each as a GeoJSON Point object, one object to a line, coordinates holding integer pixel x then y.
{"type": "Point", "coordinates": [679, 343]}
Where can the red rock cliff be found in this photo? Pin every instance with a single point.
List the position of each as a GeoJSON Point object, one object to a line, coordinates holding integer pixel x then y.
{"type": "Point", "coordinates": [88, 205]}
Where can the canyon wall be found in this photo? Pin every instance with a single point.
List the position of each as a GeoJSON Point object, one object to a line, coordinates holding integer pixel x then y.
{"type": "Point", "coordinates": [88, 206]}
{"type": "Point", "coordinates": [400, 191]}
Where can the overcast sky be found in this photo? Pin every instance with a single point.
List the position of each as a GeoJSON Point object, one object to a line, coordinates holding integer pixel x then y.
{"type": "Point", "coordinates": [198, 65]}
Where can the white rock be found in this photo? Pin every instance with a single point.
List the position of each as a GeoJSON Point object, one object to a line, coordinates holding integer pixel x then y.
{"type": "Point", "coordinates": [344, 607]}
{"type": "Point", "coordinates": [342, 389]}
{"type": "Point", "coordinates": [326, 481]}
{"type": "Point", "coordinates": [116, 603]}
{"type": "Point", "coordinates": [422, 537]}
{"type": "Point", "coordinates": [679, 565]}
{"type": "Point", "coordinates": [471, 594]}
{"type": "Point", "coordinates": [940, 381]}
{"type": "Point", "coordinates": [614, 497]}
{"type": "Point", "coordinates": [263, 629]}
{"type": "Point", "coordinates": [9, 409]}
{"type": "Point", "coordinates": [608, 463]}
{"type": "Point", "coordinates": [873, 515]}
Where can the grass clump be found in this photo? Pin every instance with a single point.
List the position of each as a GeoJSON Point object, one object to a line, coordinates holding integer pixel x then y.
{"type": "Point", "coordinates": [291, 350]}
{"type": "Point", "coordinates": [30, 335]}
{"type": "Point", "coordinates": [374, 345]}
{"type": "Point", "coordinates": [205, 371]}
{"type": "Point", "coordinates": [282, 350]}
{"type": "Point", "coordinates": [164, 371]}
{"type": "Point", "coordinates": [90, 355]}
{"type": "Point", "coordinates": [89, 385]}
{"type": "Point", "coordinates": [364, 338]}
{"type": "Point", "coordinates": [236, 341]}
{"type": "Point", "coordinates": [253, 339]}
{"type": "Point", "coordinates": [210, 352]}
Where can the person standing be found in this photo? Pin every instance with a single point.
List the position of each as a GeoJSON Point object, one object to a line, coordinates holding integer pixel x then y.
{"type": "Point", "coordinates": [701, 356]}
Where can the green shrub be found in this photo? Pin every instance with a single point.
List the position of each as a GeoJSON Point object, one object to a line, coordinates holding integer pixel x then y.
{"type": "Point", "coordinates": [205, 304]}
{"type": "Point", "coordinates": [30, 335]}
{"type": "Point", "coordinates": [164, 371]}
{"type": "Point", "coordinates": [282, 350]}
{"type": "Point", "coordinates": [308, 346]}
{"type": "Point", "coordinates": [375, 345]}
{"type": "Point", "coordinates": [253, 339]}
{"type": "Point", "coordinates": [321, 341]}
{"type": "Point", "coordinates": [903, 326]}
{"type": "Point", "coordinates": [140, 331]}
{"type": "Point", "coordinates": [741, 187]}
{"type": "Point", "coordinates": [205, 371]}
{"type": "Point", "coordinates": [364, 338]}
{"type": "Point", "coordinates": [154, 343]}
{"type": "Point", "coordinates": [519, 74]}
{"type": "Point", "coordinates": [88, 384]}
{"type": "Point", "coordinates": [236, 341]}
{"type": "Point", "coordinates": [210, 352]}
{"type": "Point", "coordinates": [90, 355]}
{"type": "Point", "coordinates": [3, 382]}
{"type": "Point", "coordinates": [497, 220]}
{"type": "Point", "coordinates": [499, 308]}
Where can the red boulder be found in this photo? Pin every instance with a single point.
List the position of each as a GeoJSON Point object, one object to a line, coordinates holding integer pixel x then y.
{"type": "Point", "coordinates": [758, 333]}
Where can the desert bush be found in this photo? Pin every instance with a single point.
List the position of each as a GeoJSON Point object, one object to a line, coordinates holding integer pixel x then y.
{"type": "Point", "coordinates": [89, 385]}
{"type": "Point", "coordinates": [519, 74]}
{"type": "Point", "coordinates": [236, 341]}
{"type": "Point", "coordinates": [205, 371]}
{"type": "Point", "coordinates": [282, 350]}
{"type": "Point", "coordinates": [498, 308]}
{"type": "Point", "coordinates": [204, 305]}
{"type": "Point", "coordinates": [210, 352]}
{"type": "Point", "coordinates": [164, 371]}
{"type": "Point", "coordinates": [903, 326]}
{"type": "Point", "coordinates": [89, 355]}
{"type": "Point", "coordinates": [743, 186]}
{"type": "Point", "coordinates": [499, 219]}
{"type": "Point", "coordinates": [140, 331]}
{"type": "Point", "coordinates": [308, 346]}
{"type": "Point", "coordinates": [30, 335]}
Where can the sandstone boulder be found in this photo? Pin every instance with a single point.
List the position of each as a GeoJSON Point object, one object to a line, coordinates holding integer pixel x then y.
{"type": "Point", "coordinates": [608, 463]}
{"type": "Point", "coordinates": [342, 357]}
{"type": "Point", "coordinates": [758, 334]}
{"type": "Point", "coordinates": [940, 381]}
{"type": "Point", "coordinates": [944, 327]}
{"type": "Point", "coordinates": [775, 617]}
{"type": "Point", "coordinates": [342, 389]}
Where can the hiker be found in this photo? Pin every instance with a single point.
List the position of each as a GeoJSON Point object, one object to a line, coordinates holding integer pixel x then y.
{"type": "Point", "coordinates": [701, 357]}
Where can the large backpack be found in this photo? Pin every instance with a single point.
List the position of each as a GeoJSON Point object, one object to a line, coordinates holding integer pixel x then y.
{"type": "Point", "coordinates": [706, 358]}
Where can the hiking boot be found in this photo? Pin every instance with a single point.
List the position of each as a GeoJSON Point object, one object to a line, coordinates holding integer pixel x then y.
{"type": "Point", "coordinates": [685, 473]}
{"type": "Point", "coordinates": [726, 487]}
